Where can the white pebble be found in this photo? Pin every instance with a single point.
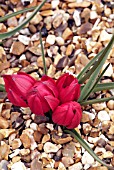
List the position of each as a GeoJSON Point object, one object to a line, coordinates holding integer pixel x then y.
{"type": "Point", "coordinates": [87, 158]}
{"type": "Point", "coordinates": [55, 3]}
{"type": "Point", "coordinates": [77, 166]}
{"type": "Point", "coordinates": [24, 39]}
{"type": "Point", "coordinates": [103, 115]}
{"type": "Point", "coordinates": [50, 39]}
{"type": "Point", "coordinates": [18, 166]}
{"type": "Point", "coordinates": [77, 18]}
{"type": "Point", "coordinates": [60, 41]}
{"type": "Point", "coordinates": [50, 147]}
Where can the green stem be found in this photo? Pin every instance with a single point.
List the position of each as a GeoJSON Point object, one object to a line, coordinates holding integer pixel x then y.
{"type": "Point", "coordinates": [97, 101]}
{"type": "Point", "coordinates": [2, 88]}
{"type": "Point", "coordinates": [43, 55]}
{"type": "Point", "coordinates": [86, 147]}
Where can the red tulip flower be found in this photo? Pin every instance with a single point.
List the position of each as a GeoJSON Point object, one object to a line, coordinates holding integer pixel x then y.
{"type": "Point", "coordinates": [17, 86]}
{"type": "Point", "coordinates": [68, 114]}
{"type": "Point", "coordinates": [43, 96]}
{"type": "Point", "coordinates": [68, 87]}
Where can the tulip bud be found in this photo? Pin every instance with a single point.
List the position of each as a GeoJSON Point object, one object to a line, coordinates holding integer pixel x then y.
{"type": "Point", "coordinates": [68, 114]}
{"type": "Point", "coordinates": [43, 96]}
{"type": "Point", "coordinates": [68, 87]}
{"type": "Point", "coordinates": [17, 86]}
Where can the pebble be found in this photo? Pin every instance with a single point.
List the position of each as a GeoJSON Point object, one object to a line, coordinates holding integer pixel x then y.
{"type": "Point", "coordinates": [61, 140]}
{"type": "Point", "coordinates": [24, 152]}
{"type": "Point", "coordinates": [3, 123]}
{"type": "Point", "coordinates": [60, 41]}
{"type": "Point", "coordinates": [67, 161]}
{"type": "Point", "coordinates": [4, 151]}
{"type": "Point", "coordinates": [67, 34]}
{"type": "Point", "coordinates": [85, 118]}
{"type": "Point", "coordinates": [77, 18]}
{"type": "Point", "coordinates": [25, 140]}
{"type": "Point", "coordinates": [104, 36]}
{"type": "Point", "coordinates": [84, 28]}
{"type": "Point", "coordinates": [51, 148]}
{"type": "Point", "coordinates": [3, 165]}
{"type": "Point", "coordinates": [18, 166]}
{"type": "Point", "coordinates": [36, 164]}
{"type": "Point", "coordinates": [12, 22]}
{"type": "Point", "coordinates": [16, 143]}
{"type": "Point", "coordinates": [2, 28]}
{"type": "Point", "coordinates": [24, 39]}
{"type": "Point", "coordinates": [87, 158]}
{"type": "Point", "coordinates": [50, 39]}
{"type": "Point", "coordinates": [17, 48]}
{"type": "Point", "coordinates": [58, 19]}
{"type": "Point", "coordinates": [99, 106]}
{"type": "Point", "coordinates": [103, 115]}
{"type": "Point", "coordinates": [101, 142]}
{"type": "Point", "coordinates": [110, 104]}
{"type": "Point", "coordinates": [76, 166]}
{"type": "Point", "coordinates": [69, 150]}
{"type": "Point", "coordinates": [108, 154]}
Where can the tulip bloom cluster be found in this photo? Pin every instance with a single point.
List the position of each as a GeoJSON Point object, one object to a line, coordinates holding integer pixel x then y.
{"type": "Point", "coordinates": [46, 94]}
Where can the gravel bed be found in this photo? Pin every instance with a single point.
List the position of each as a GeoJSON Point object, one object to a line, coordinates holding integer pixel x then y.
{"type": "Point", "coordinates": [73, 32]}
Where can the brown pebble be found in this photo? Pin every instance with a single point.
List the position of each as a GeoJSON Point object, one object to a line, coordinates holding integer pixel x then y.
{"type": "Point", "coordinates": [85, 118]}
{"type": "Point", "coordinates": [67, 34]}
{"type": "Point", "coordinates": [25, 140]}
{"type": "Point", "coordinates": [17, 48]}
{"type": "Point", "coordinates": [32, 29]}
{"type": "Point", "coordinates": [3, 123]}
{"type": "Point", "coordinates": [37, 136]}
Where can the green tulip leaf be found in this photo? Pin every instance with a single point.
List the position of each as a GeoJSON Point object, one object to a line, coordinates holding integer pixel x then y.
{"type": "Point", "coordinates": [16, 13]}
{"type": "Point", "coordinates": [18, 28]}
{"type": "Point", "coordinates": [98, 79]}
{"type": "Point", "coordinates": [102, 86]}
{"type": "Point", "coordinates": [76, 135]}
{"type": "Point", "coordinates": [87, 71]}
{"type": "Point", "coordinates": [2, 88]}
{"type": "Point", "coordinates": [96, 101]}
{"type": "Point", "coordinates": [91, 82]}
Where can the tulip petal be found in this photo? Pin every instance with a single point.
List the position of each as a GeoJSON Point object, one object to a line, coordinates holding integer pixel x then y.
{"type": "Point", "coordinates": [50, 83]}
{"type": "Point", "coordinates": [69, 115]}
{"type": "Point", "coordinates": [52, 101]}
{"type": "Point", "coordinates": [58, 115]}
{"type": "Point", "coordinates": [77, 116]}
{"type": "Point", "coordinates": [16, 99]}
{"type": "Point", "coordinates": [19, 83]}
{"type": "Point", "coordinates": [68, 94]}
{"type": "Point", "coordinates": [35, 105]}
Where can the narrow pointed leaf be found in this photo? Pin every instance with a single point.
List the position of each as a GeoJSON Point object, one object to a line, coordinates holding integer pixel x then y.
{"type": "Point", "coordinates": [18, 28]}
{"type": "Point", "coordinates": [87, 67]}
{"type": "Point", "coordinates": [102, 86]}
{"type": "Point", "coordinates": [98, 79]}
{"type": "Point", "coordinates": [76, 135]}
{"type": "Point", "coordinates": [2, 88]}
{"type": "Point", "coordinates": [16, 13]}
{"type": "Point", "coordinates": [43, 55]}
{"type": "Point", "coordinates": [90, 84]}
{"type": "Point", "coordinates": [97, 101]}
